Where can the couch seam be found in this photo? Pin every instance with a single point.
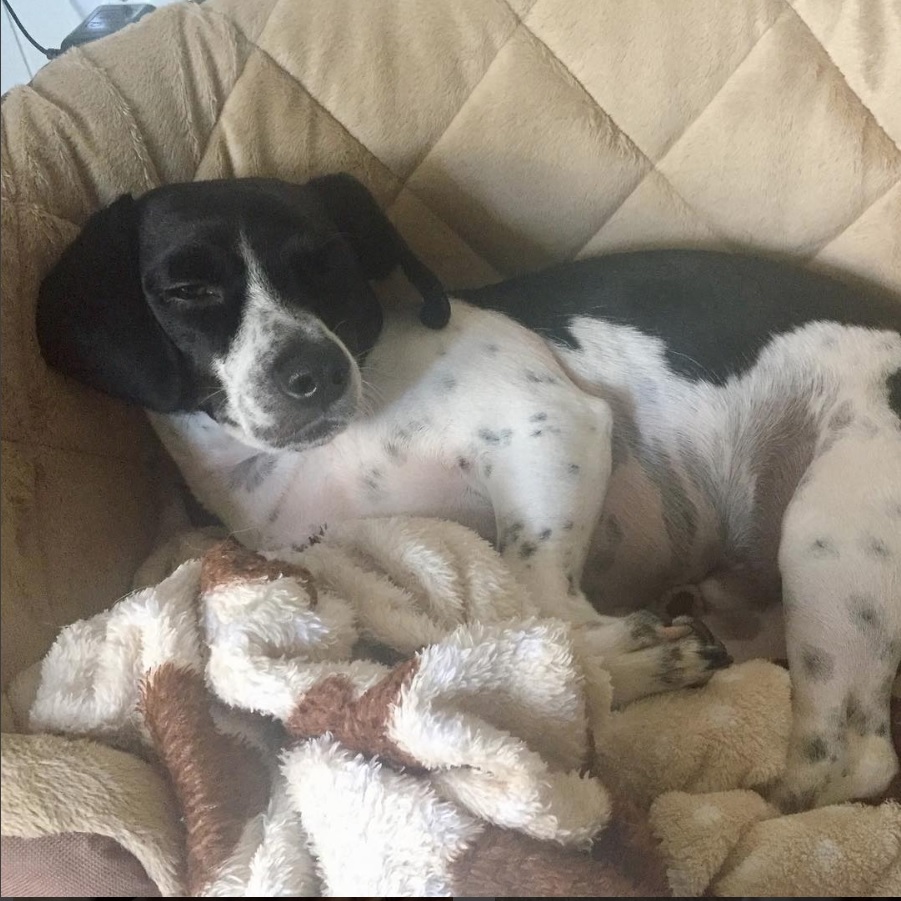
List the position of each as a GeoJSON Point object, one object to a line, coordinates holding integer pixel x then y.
{"type": "Point", "coordinates": [841, 72]}
{"type": "Point", "coordinates": [877, 199]}
{"type": "Point", "coordinates": [631, 140]}
{"type": "Point", "coordinates": [402, 183]}
{"type": "Point", "coordinates": [714, 228]}
{"type": "Point", "coordinates": [147, 163]}
{"type": "Point", "coordinates": [466, 99]}
{"type": "Point", "coordinates": [238, 34]}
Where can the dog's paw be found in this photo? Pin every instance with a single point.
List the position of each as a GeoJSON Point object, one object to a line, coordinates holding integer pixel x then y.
{"type": "Point", "coordinates": [657, 658]}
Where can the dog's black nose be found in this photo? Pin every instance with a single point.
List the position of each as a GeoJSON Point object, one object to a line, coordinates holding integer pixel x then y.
{"type": "Point", "coordinates": [315, 374]}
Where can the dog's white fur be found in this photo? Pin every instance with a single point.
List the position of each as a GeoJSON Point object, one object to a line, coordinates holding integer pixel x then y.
{"type": "Point", "coordinates": [486, 423]}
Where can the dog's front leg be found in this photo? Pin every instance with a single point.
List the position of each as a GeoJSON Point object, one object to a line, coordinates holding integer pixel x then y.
{"type": "Point", "coordinates": [547, 484]}
{"type": "Point", "coordinates": [546, 480]}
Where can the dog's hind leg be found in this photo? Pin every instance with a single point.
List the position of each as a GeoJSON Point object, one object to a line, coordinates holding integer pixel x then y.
{"type": "Point", "coordinates": [840, 559]}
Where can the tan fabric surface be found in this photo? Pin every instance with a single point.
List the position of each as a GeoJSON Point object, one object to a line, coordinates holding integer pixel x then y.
{"type": "Point", "coordinates": [73, 865]}
{"type": "Point", "coordinates": [54, 786]}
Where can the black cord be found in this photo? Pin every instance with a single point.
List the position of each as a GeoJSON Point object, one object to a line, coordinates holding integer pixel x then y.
{"type": "Point", "coordinates": [50, 54]}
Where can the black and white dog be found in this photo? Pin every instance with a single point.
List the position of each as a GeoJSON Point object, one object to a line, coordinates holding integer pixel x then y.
{"type": "Point", "coordinates": [692, 431]}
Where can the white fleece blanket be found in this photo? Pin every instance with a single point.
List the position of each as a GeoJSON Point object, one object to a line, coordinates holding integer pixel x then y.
{"type": "Point", "coordinates": [382, 714]}
{"type": "Point", "coordinates": [393, 771]}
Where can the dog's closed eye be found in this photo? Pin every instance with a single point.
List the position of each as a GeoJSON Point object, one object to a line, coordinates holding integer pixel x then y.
{"type": "Point", "coordinates": [194, 293]}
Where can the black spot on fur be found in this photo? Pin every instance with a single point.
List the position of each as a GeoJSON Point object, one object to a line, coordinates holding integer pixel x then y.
{"type": "Point", "coordinates": [249, 474]}
{"type": "Point", "coordinates": [568, 526]}
{"type": "Point", "coordinates": [448, 383]}
{"type": "Point", "coordinates": [865, 612]}
{"type": "Point", "coordinates": [373, 480]}
{"type": "Point", "coordinates": [842, 417]}
{"type": "Point", "coordinates": [537, 433]}
{"type": "Point", "coordinates": [823, 547]}
{"type": "Point", "coordinates": [394, 452]}
{"type": "Point", "coordinates": [510, 533]}
{"type": "Point", "coordinates": [501, 438]}
{"type": "Point", "coordinates": [893, 391]}
{"type": "Point", "coordinates": [643, 625]}
{"type": "Point", "coordinates": [491, 349]}
{"type": "Point", "coordinates": [876, 547]}
{"type": "Point", "coordinates": [488, 470]}
{"type": "Point", "coordinates": [464, 464]}
{"type": "Point", "coordinates": [573, 469]}
{"type": "Point", "coordinates": [816, 749]}
{"type": "Point", "coordinates": [544, 535]}
{"type": "Point", "coordinates": [817, 664]}
{"type": "Point", "coordinates": [856, 716]}
{"type": "Point", "coordinates": [881, 730]}
{"type": "Point", "coordinates": [538, 417]}
{"type": "Point", "coordinates": [527, 549]}
{"type": "Point", "coordinates": [536, 378]}
{"type": "Point", "coordinates": [571, 587]}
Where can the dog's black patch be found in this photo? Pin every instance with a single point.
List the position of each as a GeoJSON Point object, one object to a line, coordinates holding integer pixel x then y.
{"type": "Point", "coordinates": [538, 417]}
{"type": "Point", "coordinates": [842, 417]}
{"type": "Point", "coordinates": [856, 715]}
{"type": "Point", "coordinates": [816, 749]}
{"type": "Point", "coordinates": [643, 625]}
{"type": "Point", "coordinates": [865, 613]}
{"type": "Point", "coordinates": [876, 547]}
{"type": "Point", "coordinates": [818, 664]}
{"type": "Point", "coordinates": [893, 387]}
{"type": "Point", "coordinates": [714, 311]}
{"type": "Point", "coordinates": [527, 549]}
{"type": "Point", "coordinates": [823, 547]}
{"type": "Point", "coordinates": [501, 438]}
{"type": "Point", "coordinates": [545, 535]}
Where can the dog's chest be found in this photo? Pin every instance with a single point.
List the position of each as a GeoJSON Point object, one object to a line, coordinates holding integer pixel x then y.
{"type": "Point", "coordinates": [367, 476]}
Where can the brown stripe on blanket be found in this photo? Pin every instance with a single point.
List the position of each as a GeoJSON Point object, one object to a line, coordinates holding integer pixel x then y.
{"type": "Point", "coordinates": [359, 724]}
{"type": "Point", "coordinates": [229, 562]}
{"type": "Point", "coordinates": [219, 781]}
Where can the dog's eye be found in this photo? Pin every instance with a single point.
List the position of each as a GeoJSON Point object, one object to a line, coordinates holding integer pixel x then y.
{"type": "Point", "coordinates": [194, 293]}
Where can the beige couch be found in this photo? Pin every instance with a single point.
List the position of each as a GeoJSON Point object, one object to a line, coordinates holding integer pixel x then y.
{"type": "Point", "coordinates": [501, 135]}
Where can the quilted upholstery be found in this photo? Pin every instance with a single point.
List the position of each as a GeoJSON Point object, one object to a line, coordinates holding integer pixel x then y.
{"type": "Point", "coordinates": [500, 134]}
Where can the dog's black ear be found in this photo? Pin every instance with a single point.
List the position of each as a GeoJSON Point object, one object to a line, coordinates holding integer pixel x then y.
{"type": "Point", "coordinates": [93, 321]}
{"type": "Point", "coordinates": [377, 243]}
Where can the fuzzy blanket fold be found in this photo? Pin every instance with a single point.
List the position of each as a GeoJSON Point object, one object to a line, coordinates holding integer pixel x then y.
{"type": "Point", "coordinates": [481, 761]}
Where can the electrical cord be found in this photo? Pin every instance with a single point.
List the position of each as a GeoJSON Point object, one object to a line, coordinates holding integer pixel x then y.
{"type": "Point", "coordinates": [49, 53]}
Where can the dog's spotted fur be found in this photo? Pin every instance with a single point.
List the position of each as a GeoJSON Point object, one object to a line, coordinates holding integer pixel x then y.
{"type": "Point", "coordinates": [613, 453]}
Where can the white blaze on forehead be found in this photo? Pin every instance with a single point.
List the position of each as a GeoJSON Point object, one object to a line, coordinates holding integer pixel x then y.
{"type": "Point", "coordinates": [267, 325]}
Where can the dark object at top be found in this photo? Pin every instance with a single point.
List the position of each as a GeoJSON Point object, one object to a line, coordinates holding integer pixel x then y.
{"type": "Point", "coordinates": [106, 20]}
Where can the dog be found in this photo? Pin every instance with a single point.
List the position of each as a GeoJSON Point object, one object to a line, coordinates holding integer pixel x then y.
{"type": "Point", "coordinates": [665, 433]}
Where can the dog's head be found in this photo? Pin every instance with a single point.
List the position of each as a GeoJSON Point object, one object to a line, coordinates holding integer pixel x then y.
{"type": "Point", "coordinates": [248, 299]}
